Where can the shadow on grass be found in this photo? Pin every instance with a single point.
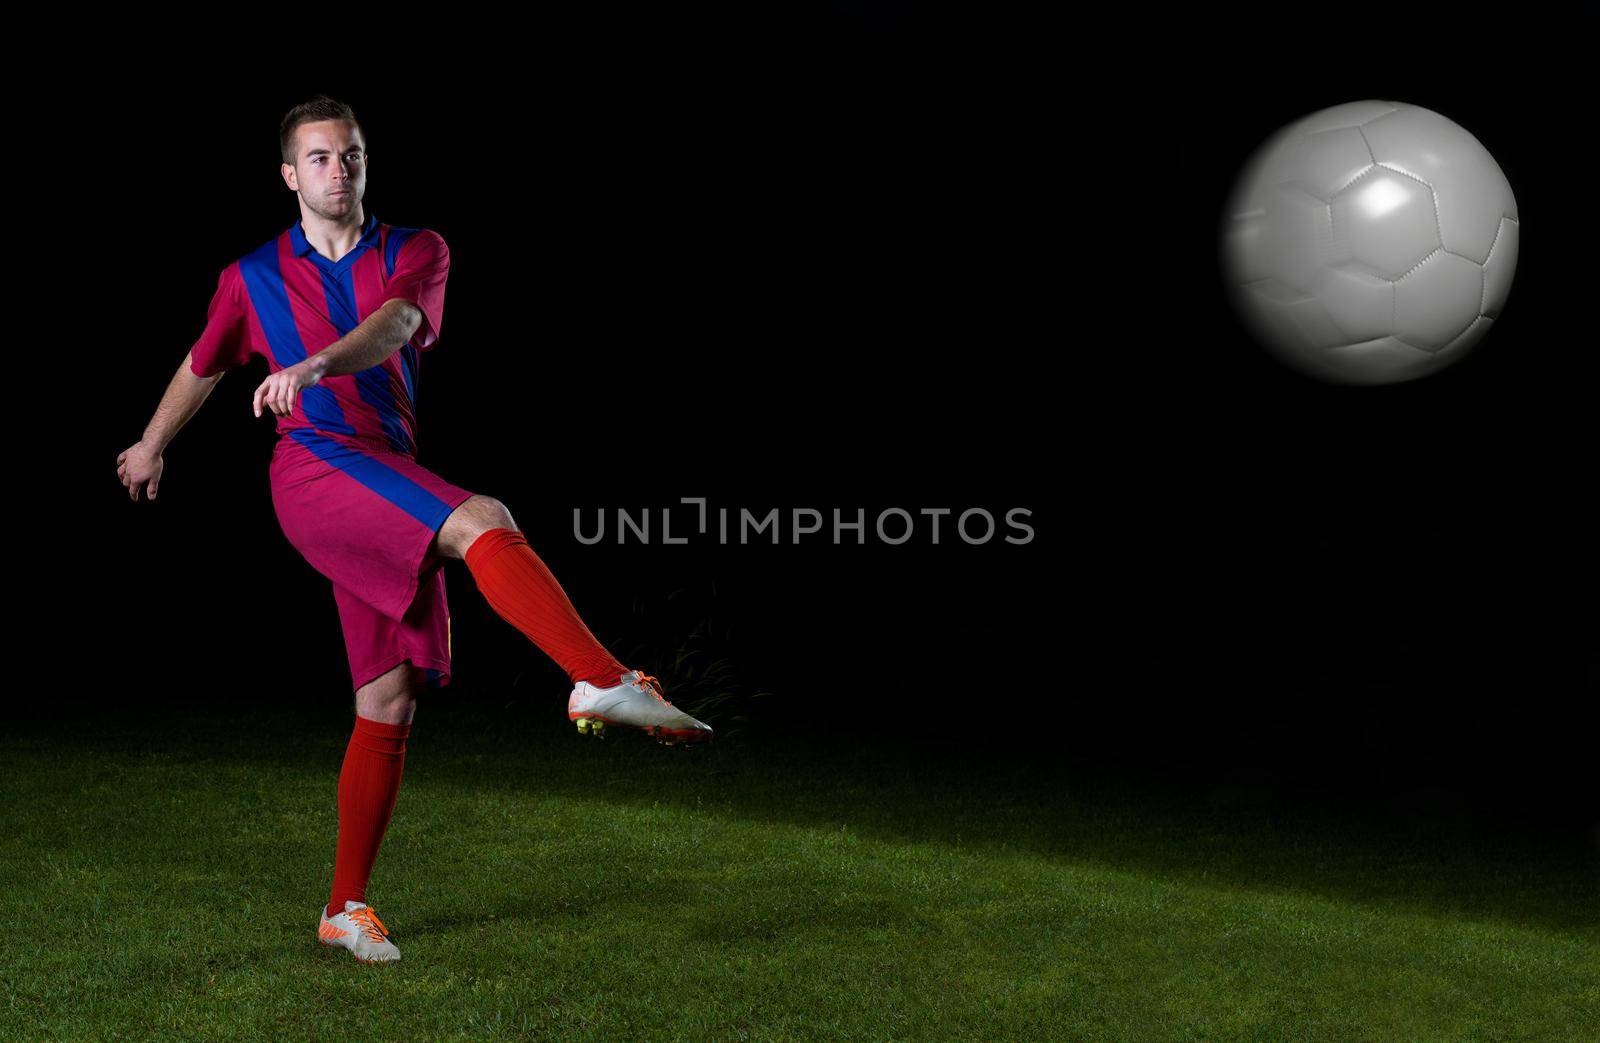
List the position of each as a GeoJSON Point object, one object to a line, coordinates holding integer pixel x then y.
{"type": "Point", "coordinates": [1269, 840]}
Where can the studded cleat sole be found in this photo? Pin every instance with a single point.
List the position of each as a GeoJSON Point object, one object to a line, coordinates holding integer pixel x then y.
{"type": "Point", "coordinates": [678, 736]}
{"type": "Point", "coordinates": [596, 727]}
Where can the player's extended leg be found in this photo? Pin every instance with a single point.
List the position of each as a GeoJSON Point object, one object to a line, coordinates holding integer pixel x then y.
{"type": "Point", "coordinates": [521, 589]}
{"type": "Point", "coordinates": [527, 596]}
{"type": "Point", "coordinates": [368, 785]}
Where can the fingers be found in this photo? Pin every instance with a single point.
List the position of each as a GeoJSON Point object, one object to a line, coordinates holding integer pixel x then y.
{"type": "Point", "coordinates": [267, 396]}
{"type": "Point", "coordinates": [276, 393]}
{"type": "Point", "coordinates": [126, 475]}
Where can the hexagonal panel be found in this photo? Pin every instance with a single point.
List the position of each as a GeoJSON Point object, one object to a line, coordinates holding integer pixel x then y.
{"type": "Point", "coordinates": [1385, 220]}
{"type": "Point", "coordinates": [1469, 186]}
{"type": "Point", "coordinates": [1436, 303]}
{"type": "Point", "coordinates": [1359, 302]}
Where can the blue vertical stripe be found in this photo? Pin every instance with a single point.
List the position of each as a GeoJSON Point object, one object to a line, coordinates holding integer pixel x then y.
{"type": "Point", "coordinates": [382, 479]}
{"type": "Point", "coordinates": [408, 366]}
{"type": "Point", "coordinates": [391, 248]}
{"type": "Point", "coordinates": [409, 363]}
{"type": "Point", "coordinates": [373, 384]}
{"type": "Point", "coordinates": [263, 280]}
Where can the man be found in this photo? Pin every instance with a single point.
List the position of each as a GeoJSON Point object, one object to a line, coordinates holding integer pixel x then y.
{"type": "Point", "coordinates": [342, 307]}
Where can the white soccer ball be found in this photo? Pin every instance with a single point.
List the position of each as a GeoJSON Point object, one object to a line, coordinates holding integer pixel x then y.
{"type": "Point", "coordinates": [1370, 243]}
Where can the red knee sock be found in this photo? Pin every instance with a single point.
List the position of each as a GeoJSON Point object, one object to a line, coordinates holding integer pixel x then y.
{"type": "Point", "coordinates": [519, 587]}
{"type": "Point", "coordinates": [368, 785]}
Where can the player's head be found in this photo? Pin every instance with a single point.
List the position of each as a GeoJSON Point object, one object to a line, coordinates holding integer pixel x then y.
{"type": "Point", "coordinates": [324, 157]}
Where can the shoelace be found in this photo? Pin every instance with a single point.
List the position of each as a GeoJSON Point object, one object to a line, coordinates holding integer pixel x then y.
{"type": "Point", "coordinates": [651, 685]}
{"type": "Point", "coordinates": [371, 926]}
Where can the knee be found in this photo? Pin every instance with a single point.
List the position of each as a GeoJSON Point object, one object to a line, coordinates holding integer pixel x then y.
{"type": "Point", "coordinates": [392, 699]}
{"type": "Point", "coordinates": [494, 514]}
{"type": "Point", "coordinates": [472, 519]}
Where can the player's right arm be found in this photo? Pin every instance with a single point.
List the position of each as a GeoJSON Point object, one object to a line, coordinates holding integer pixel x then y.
{"type": "Point", "coordinates": [224, 344]}
{"type": "Point", "coordinates": [141, 462]}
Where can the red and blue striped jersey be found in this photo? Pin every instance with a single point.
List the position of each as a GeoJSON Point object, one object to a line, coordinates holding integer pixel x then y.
{"type": "Point", "coordinates": [285, 301]}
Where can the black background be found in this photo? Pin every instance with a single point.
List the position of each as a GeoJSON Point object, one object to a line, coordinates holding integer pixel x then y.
{"type": "Point", "coordinates": [868, 261]}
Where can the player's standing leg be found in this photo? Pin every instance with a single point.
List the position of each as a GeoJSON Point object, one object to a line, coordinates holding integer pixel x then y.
{"type": "Point", "coordinates": [523, 592]}
{"type": "Point", "coordinates": [369, 783]}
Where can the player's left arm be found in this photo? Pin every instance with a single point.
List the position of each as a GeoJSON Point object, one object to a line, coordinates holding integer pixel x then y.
{"type": "Point", "coordinates": [380, 335]}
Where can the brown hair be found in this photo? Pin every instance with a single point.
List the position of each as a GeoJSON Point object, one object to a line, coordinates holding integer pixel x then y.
{"type": "Point", "coordinates": [316, 110]}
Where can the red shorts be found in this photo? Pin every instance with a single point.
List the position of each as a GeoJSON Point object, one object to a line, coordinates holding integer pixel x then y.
{"type": "Point", "coordinates": [365, 518]}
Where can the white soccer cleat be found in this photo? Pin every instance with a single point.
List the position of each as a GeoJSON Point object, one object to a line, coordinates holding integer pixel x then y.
{"type": "Point", "coordinates": [359, 930]}
{"type": "Point", "coordinates": [634, 702]}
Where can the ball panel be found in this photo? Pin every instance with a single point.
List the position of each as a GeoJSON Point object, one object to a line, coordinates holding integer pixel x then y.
{"type": "Point", "coordinates": [1297, 235]}
{"type": "Point", "coordinates": [1436, 303]}
{"type": "Point", "coordinates": [1322, 164]}
{"type": "Point", "coordinates": [1384, 361]}
{"type": "Point", "coordinates": [1350, 114]}
{"type": "Point", "coordinates": [1500, 267]}
{"type": "Point", "coordinates": [1360, 303]}
{"type": "Point", "coordinates": [1463, 344]}
{"type": "Point", "coordinates": [1301, 324]}
{"type": "Point", "coordinates": [1386, 220]}
{"type": "Point", "coordinates": [1471, 191]}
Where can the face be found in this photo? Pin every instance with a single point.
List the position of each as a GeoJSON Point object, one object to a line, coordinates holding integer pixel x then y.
{"type": "Point", "coordinates": [330, 168]}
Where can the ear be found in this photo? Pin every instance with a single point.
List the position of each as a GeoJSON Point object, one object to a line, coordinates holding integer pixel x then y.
{"type": "Point", "coordinates": [289, 177]}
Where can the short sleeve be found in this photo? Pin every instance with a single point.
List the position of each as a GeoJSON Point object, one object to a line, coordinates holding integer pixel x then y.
{"type": "Point", "coordinates": [226, 340]}
{"type": "Point", "coordinates": [420, 270]}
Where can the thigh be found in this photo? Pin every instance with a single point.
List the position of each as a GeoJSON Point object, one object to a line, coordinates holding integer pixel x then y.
{"type": "Point", "coordinates": [375, 643]}
{"type": "Point", "coordinates": [363, 518]}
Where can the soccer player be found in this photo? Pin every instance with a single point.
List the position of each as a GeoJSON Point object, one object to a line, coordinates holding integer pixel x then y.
{"type": "Point", "coordinates": [342, 307]}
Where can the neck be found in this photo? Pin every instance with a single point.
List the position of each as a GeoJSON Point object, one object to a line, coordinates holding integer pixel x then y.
{"type": "Point", "coordinates": [333, 238]}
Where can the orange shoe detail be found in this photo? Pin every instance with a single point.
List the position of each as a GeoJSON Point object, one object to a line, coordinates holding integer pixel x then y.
{"type": "Point", "coordinates": [371, 926]}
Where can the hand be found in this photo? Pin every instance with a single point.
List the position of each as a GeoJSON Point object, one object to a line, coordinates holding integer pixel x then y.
{"type": "Point", "coordinates": [138, 464]}
{"type": "Point", "coordinates": [278, 391]}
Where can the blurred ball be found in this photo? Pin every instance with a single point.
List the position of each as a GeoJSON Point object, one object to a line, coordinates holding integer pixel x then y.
{"type": "Point", "coordinates": [1370, 243]}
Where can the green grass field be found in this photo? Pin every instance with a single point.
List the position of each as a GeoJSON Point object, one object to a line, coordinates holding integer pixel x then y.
{"type": "Point", "coordinates": [164, 882]}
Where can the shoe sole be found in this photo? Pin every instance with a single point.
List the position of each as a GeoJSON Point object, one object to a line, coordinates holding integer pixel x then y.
{"type": "Point", "coordinates": [595, 725]}
{"type": "Point", "coordinates": [353, 956]}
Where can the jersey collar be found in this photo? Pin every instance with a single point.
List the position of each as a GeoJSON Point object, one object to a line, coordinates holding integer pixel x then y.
{"type": "Point", "coordinates": [302, 245]}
